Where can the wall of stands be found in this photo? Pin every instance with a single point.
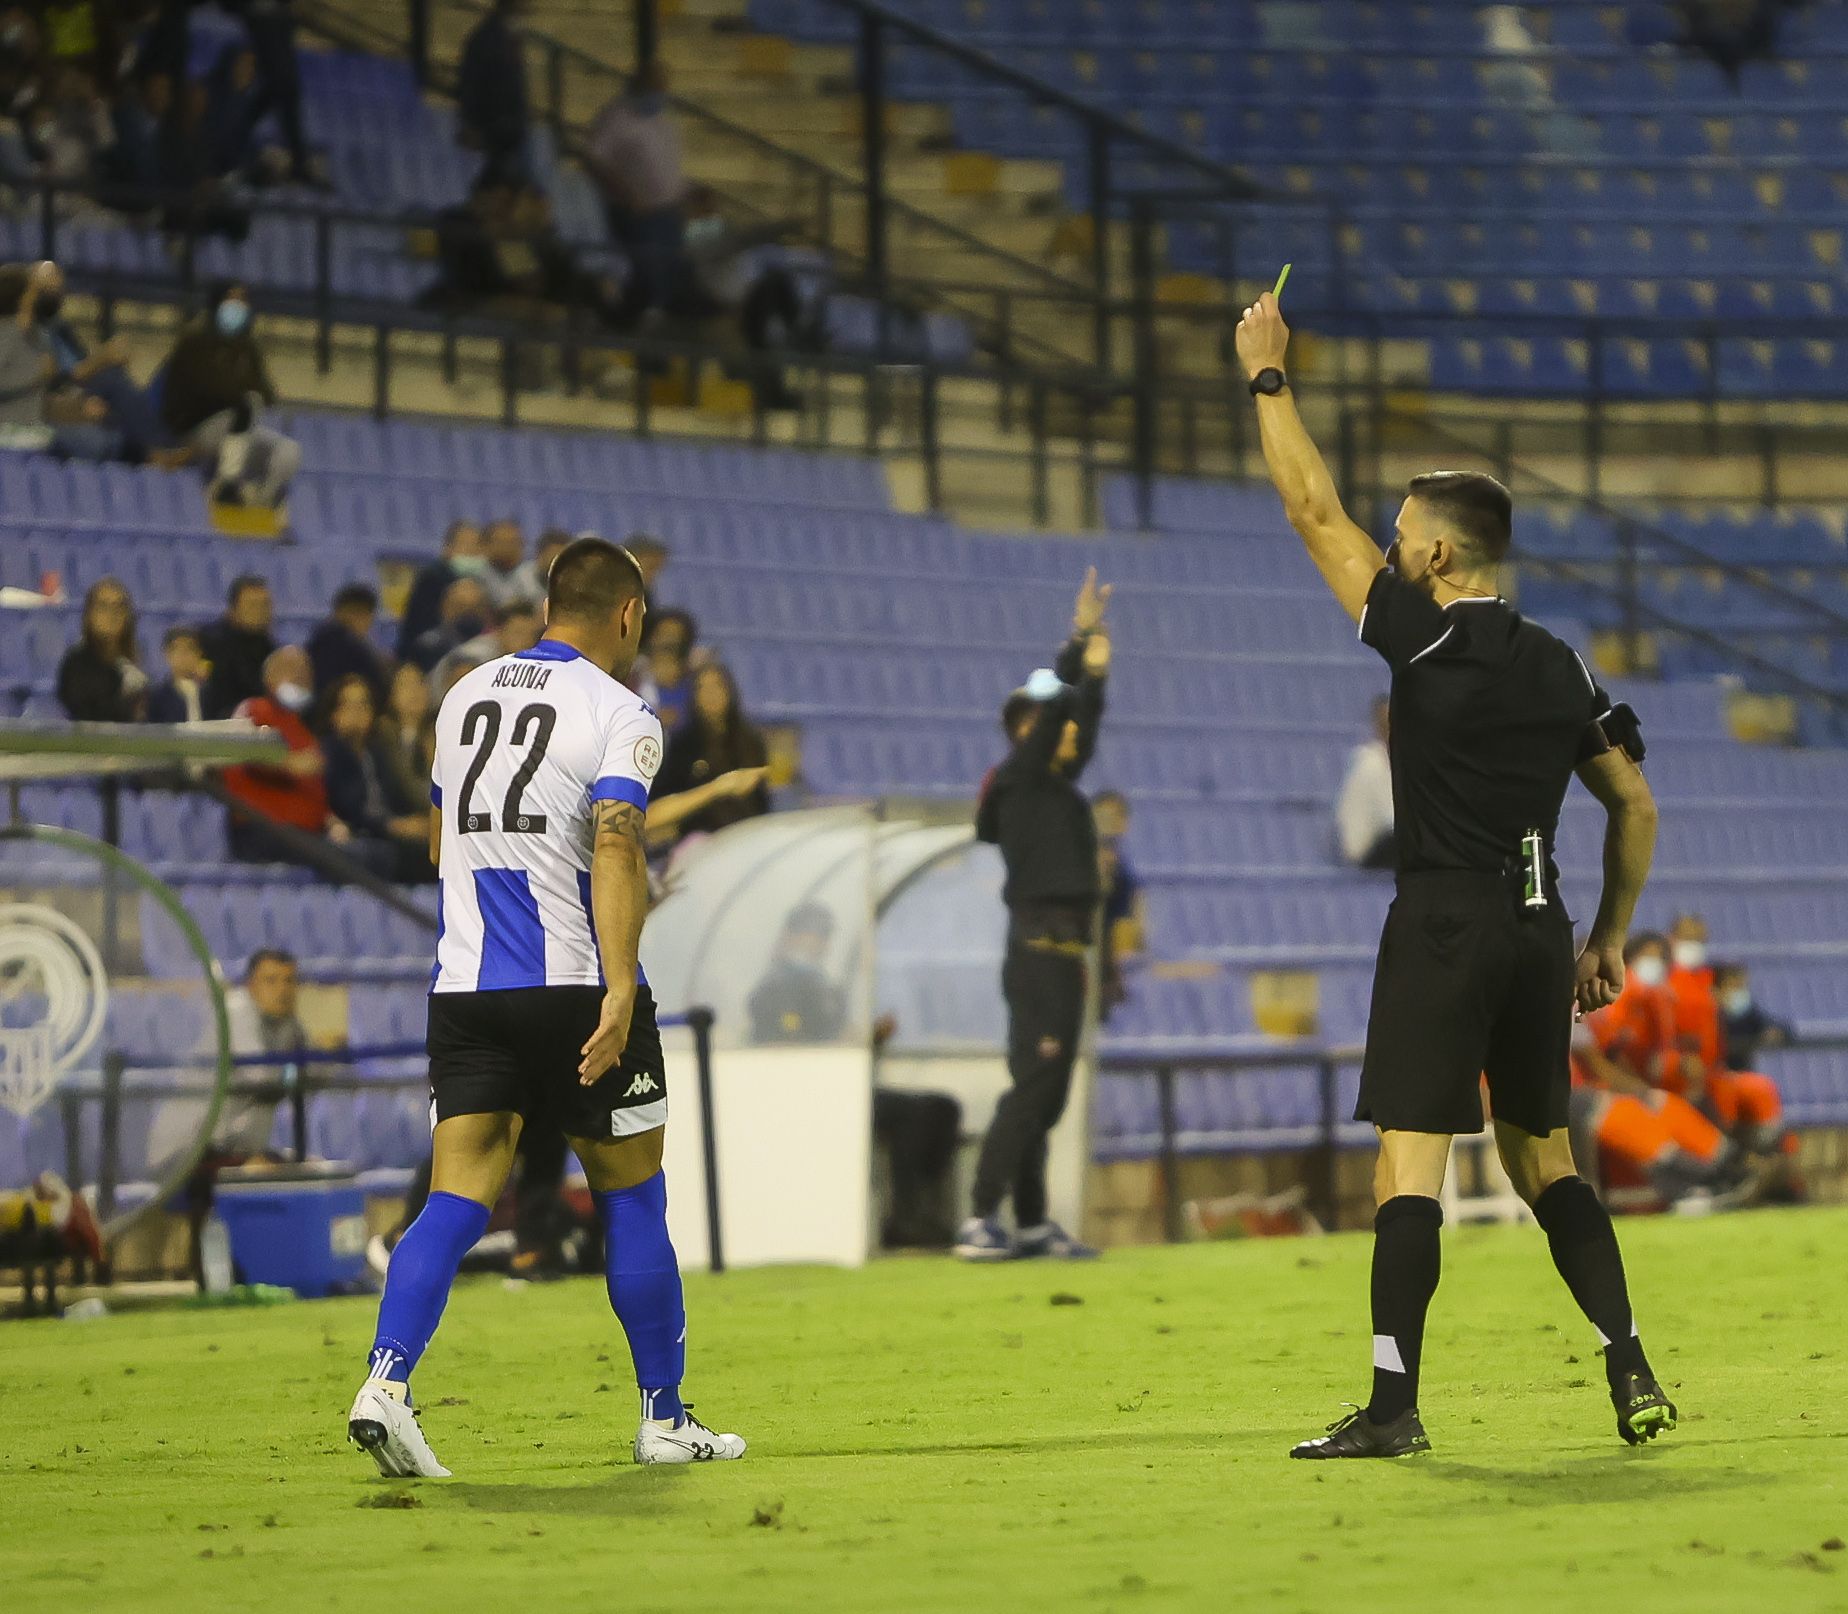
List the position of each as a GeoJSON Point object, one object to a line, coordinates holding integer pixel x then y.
{"type": "Point", "coordinates": [888, 642]}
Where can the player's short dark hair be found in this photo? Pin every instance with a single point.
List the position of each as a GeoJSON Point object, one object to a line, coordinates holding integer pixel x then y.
{"type": "Point", "coordinates": [178, 632]}
{"type": "Point", "coordinates": [241, 585]}
{"type": "Point", "coordinates": [268, 955]}
{"type": "Point", "coordinates": [591, 579]}
{"type": "Point", "coordinates": [1642, 939]}
{"type": "Point", "coordinates": [356, 597]}
{"type": "Point", "coordinates": [1477, 508]}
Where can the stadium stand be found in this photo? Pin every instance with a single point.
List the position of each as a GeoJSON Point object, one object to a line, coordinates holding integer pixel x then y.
{"type": "Point", "coordinates": [887, 641]}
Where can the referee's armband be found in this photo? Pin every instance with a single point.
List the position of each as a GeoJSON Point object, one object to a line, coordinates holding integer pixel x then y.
{"type": "Point", "coordinates": [1617, 728]}
{"type": "Point", "coordinates": [1624, 730]}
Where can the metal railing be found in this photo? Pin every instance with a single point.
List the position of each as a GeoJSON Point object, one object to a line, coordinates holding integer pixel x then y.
{"type": "Point", "coordinates": [1167, 1064]}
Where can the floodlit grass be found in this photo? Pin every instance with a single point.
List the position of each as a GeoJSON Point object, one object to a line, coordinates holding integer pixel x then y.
{"type": "Point", "coordinates": [929, 1437]}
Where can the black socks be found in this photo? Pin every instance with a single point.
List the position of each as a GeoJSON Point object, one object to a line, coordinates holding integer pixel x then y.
{"type": "Point", "coordinates": [1584, 1245]}
{"type": "Point", "coordinates": [1406, 1261]}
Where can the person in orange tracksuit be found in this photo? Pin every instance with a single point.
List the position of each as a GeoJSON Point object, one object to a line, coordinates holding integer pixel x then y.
{"type": "Point", "coordinates": [1745, 1103]}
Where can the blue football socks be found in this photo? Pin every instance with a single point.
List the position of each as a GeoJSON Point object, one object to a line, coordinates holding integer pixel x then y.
{"type": "Point", "coordinates": [645, 1294]}
{"type": "Point", "coordinates": [417, 1283]}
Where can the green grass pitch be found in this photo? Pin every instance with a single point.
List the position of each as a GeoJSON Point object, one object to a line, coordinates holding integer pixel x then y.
{"type": "Point", "coordinates": [930, 1437]}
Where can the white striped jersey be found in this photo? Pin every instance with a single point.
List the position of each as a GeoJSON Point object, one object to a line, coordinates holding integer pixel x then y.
{"type": "Point", "coordinates": [524, 746]}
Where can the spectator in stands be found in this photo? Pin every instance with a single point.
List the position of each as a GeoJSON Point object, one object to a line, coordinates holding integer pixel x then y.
{"type": "Point", "coordinates": [291, 792]}
{"type": "Point", "coordinates": [492, 110]}
{"type": "Point", "coordinates": [510, 575]}
{"type": "Point", "coordinates": [180, 696]}
{"type": "Point", "coordinates": [270, 25]}
{"type": "Point", "coordinates": [238, 645]}
{"type": "Point", "coordinates": [1124, 906]}
{"type": "Point", "coordinates": [728, 272]}
{"type": "Point", "coordinates": [503, 244]}
{"type": "Point", "coordinates": [716, 738]}
{"type": "Point", "coordinates": [461, 557]}
{"type": "Point", "coordinates": [517, 628]}
{"type": "Point", "coordinates": [665, 678]}
{"type": "Point", "coordinates": [99, 680]}
{"type": "Point", "coordinates": [216, 384]}
{"type": "Point", "coordinates": [462, 615]}
{"type": "Point", "coordinates": [1747, 1028]}
{"type": "Point", "coordinates": [25, 367]}
{"type": "Point", "coordinates": [403, 727]}
{"type": "Point", "coordinates": [342, 645]}
{"type": "Point", "coordinates": [633, 156]}
{"type": "Point", "coordinates": [389, 828]}
{"type": "Point", "coordinates": [1363, 811]}
{"type": "Point", "coordinates": [107, 399]}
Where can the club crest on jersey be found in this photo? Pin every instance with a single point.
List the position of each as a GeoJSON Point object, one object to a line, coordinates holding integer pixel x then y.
{"type": "Point", "coordinates": [647, 756]}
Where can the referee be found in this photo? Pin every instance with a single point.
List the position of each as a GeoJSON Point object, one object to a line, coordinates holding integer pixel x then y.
{"type": "Point", "coordinates": [1032, 809]}
{"type": "Point", "coordinates": [1491, 716]}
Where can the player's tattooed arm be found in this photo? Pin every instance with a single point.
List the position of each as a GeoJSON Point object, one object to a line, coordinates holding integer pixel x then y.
{"type": "Point", "coordinates": [619, 903]}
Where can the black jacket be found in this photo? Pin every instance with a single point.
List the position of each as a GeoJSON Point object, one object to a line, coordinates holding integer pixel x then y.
{"type": "Point", "coordinates": [237, 656]}
{"type": "Point", "coordinates": [424, 609]}
{"type": "Point", "coordinates": [167, 705]}
{"type": "Point", "coordinates": [334, 651]}
{"type": "Point", "coordinates": [90, 688]}
{"type": "Point", "coordinates": [1033, 809]}
{"type": "Point", "coordinates": [350, 794]}
{"type": "Point", "coordinates": [491, 86]}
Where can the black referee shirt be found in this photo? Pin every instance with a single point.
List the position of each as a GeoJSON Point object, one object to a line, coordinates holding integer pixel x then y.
{"type": "Point", "coordinates": [1490, 716]}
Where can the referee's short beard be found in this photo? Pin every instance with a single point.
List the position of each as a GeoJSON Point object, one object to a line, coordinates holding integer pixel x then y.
{"type": "Point", "coordinates": [1395, 558]}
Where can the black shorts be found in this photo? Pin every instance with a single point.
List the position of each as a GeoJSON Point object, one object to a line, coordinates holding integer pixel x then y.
{"type": "Point", "coordinates": [1469, 985]}
{"type": "Point", "coordinates": [517, 1052]}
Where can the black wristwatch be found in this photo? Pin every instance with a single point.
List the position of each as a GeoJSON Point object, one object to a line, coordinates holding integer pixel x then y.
{"type": "Point", "coordinates": [1269, 382]}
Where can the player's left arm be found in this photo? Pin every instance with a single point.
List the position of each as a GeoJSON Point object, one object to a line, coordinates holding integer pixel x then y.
{"type": "Point", "coordinates": [1345, 556]}
{"type": "Point", "coordinates": [619, 904]}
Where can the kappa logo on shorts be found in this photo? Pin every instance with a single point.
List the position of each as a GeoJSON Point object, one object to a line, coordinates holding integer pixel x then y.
{"type": "Point", "coordinates": [647, 756]}
{"type": "Point", "coordinates": [643, 1083]}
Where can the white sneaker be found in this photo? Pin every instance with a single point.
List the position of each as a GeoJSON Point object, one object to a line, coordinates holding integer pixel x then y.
{"type": "Point", "coordinates": [388, 1428]}
{"type": "Point", "coordinates": [689, 1442]}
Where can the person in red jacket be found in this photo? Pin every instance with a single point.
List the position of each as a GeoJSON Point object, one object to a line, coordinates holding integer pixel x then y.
{"type": "Point", "coordinates": [1744, 1102]}
{"type": "Point", "coordinates": [289, 792]}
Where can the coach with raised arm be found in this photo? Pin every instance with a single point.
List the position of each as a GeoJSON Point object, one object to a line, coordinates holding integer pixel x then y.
{"type": "Point", "coordinates": [1032, 809]}
{"type": "Point", "coordinates": [1491, 716]}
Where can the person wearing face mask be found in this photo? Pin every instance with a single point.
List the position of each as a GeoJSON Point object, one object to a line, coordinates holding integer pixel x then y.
{"type": "Point", "coordinates": [290, 792]}
{"type": "Point", "coordinates": [1744, 1102]}
{"type": "Point", "coordinates": [1478, 975]}
{"type": "Point", "coordinates": [216, 383]}
{"type": "Point", "coordinates": [461, 556]}
{"type": "Point", "coordinates": [1744, 1021]}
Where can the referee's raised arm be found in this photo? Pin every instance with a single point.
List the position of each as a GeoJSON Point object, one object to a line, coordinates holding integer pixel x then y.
{"type": "Point", "coordinates": [1346, 557]}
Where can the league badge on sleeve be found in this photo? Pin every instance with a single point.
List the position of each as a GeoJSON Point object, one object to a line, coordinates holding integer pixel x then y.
{"type": "Point", "coordinates": [647, 756]}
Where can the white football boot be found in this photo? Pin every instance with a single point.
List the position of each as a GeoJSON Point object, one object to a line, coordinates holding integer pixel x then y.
{"type": "Point", "coordinates": [689, 1442]}
{"type": "Point", "coordinates": [386, 1426]}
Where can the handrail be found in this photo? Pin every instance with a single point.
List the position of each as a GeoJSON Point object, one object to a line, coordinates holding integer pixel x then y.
{"type": "Point", "coordinates": [1092, 112]}
{"type": "Point", "coordinates": [1692, 554]}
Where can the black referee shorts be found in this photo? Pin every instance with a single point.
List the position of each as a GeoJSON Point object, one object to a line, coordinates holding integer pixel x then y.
{"type": "Point", "coordinates": [517, 1052]}
{"type": "Point", "coordinates": [1469, 985]}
